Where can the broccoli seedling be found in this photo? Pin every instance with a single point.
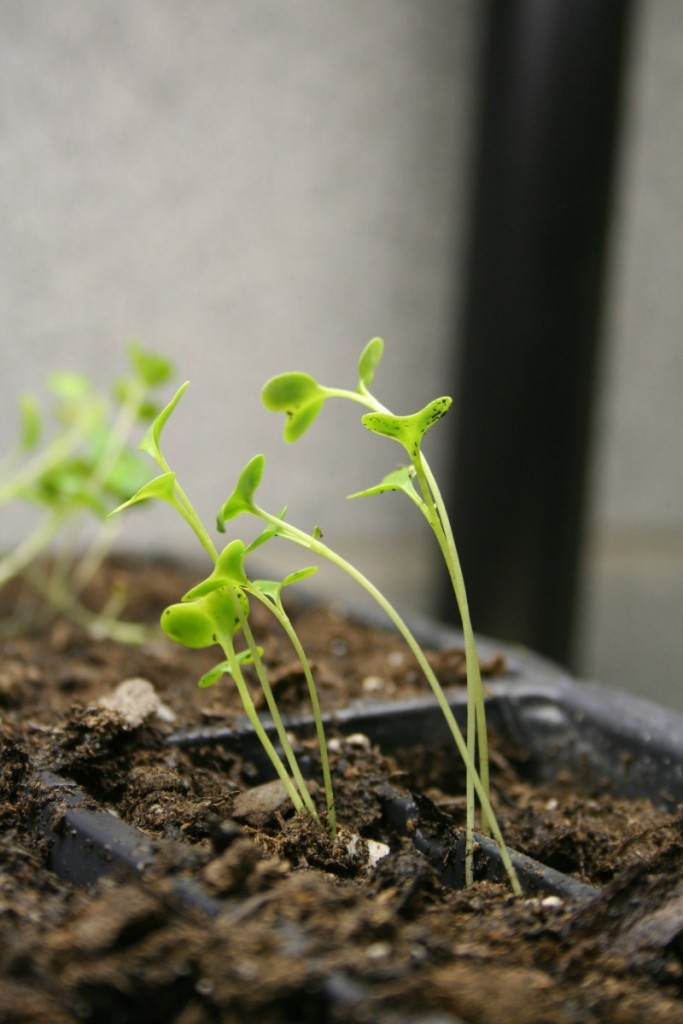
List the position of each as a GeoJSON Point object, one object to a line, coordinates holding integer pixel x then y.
{"type": "Point", "coordinates": [302, 398]}
{"type": "Point", "coordinates": [215, 612]}
{"type": "Point", "coordinates": [243, 501]}
{"type": "Point", "coordinates": [85, 461]}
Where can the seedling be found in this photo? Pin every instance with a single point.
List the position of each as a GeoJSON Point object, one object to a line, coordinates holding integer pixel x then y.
{"type": "Point", "coordinates": [243, 501]}
{"type": "Point", "coordinates": [215, 612]}
{"type": "Point", "coordinates": [302, 398]}
{"type": "Point", "coordinates": [84, 463]}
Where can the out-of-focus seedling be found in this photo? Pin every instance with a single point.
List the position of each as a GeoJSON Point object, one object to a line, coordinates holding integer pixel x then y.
{"type": "Point", "coordinates": [72, 459]}
{"type": "Point", "coordinates": [216, 612]}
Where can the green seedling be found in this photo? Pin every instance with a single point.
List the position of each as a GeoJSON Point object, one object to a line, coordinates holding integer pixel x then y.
{"type": "Point", "coordinates": [72, 459]}
{"type": "Point", "coordinates": [301, 398]}
{"type": "Point", "coordinates": [243, 501]}
{"type": "Point", "coordinates": [215, 612]}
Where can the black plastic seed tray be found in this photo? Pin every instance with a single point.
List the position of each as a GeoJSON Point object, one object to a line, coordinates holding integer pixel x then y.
{"type": "Point", "coordinates": [632, 745]}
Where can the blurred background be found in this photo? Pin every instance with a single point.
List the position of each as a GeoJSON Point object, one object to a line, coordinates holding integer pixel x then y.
{"type": "Point", "coordinates": [494, 188]}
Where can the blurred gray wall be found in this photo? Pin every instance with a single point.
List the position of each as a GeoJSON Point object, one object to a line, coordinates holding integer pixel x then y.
{"type": "Point", "coordinates": [249, 186]}
{"type": "Point", "coordinates": [633, 609]}
{"type": "Point", "coordinates": [253, 186]}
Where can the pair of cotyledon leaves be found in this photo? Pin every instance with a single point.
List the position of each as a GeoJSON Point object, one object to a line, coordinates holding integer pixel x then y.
{"type": "Point", "coordinates": [215, 609]}
{"type": "Point", "coordinates": [301, 398]}
{"type": "Point", "coordinates": [70, 476]}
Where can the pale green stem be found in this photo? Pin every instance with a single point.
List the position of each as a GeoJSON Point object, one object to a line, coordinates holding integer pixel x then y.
{"type": "Point", "coordinates": [277, 609]}
{"type": "Point", "coordinates": [275, 713]}
{"type": "Point", "coordinates": [317, 547]}
{"type": "Point", "coordinates": [56, 452]}
{"type": "Point", "coordinates": [99, 624]}
{"type": "Point", "coordinates": [117, 439]}
{"type": "Point", "coordinates": [119, 434]}
{"type": "Point", "coordinates": [192, 519]}
{"type": "Point", "coordinates": [472, 716]}
{"type": "Point", "coordinates": [226, 643]}
{"type": "Point", "coordinates": [16, 561]}
{"type": "Point", "coordinates": [187, 511]}
{"type": "Point", "coordinates": [93, 558]}
{"type": "Point", "coordinates": [475, 687]}
{"type": "Point", "coordinates": [437, 516]}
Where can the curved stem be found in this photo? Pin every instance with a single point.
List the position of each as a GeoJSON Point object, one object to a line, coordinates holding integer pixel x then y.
{"type": "Point", "coordinates": [316, 546]}
{"type": "Point", "coordinates": [275, 713]}
{"type": "Point", "coordinates": [286, 623]}
{"type": "Point", "coordinates": [16, 561]}
{"type": "Point", "coordinates": [226, 643]}
{"type": "Point", "coordinates": [436, 514]}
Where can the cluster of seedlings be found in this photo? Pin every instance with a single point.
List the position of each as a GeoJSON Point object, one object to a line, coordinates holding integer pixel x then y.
{"type": "Point", "coordinates": [215, 612]}
{"type": "Point", "coordinates": [87, 462]}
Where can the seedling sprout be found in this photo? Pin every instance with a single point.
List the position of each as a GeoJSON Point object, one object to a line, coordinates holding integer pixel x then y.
{"type": "Point", "coordinates": [85, 461]}
{"type": "Point", "coordinates": [302, 398]}
{"type": "Point", "coordinates": [216, 610]}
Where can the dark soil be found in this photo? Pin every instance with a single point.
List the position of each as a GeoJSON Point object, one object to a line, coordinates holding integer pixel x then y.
{"type": "Point", "coordinates": [307, 931]}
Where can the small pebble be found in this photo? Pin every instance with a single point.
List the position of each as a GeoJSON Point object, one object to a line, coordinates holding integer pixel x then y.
{"type": "Point", "coordinates": [373, 684]}
{"type": "Point", "coordinates": [551, 901]}
{"type": "Point", "coordinates": [136, 700]}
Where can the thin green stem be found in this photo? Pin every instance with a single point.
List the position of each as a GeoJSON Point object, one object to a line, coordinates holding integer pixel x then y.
{"type": "Point", "coordinates": [119, 434]}
{"type": "Point", "coordinates": [16, 561]}
{"type": "Point", "coordinates": [475, 687]}
{"type": "Point", "coordinates": [226, 643]}
{"type": "Point", "coordinates": [49, 458]}
{"type": "Point", "coordinates": [100, 624]}
{"type": "Point", "coordinates": [189, 514]}
{"type": "Point", "coordinates": [286, 623]}
{"type": "Point", "coordinates": [430, 513]}
{"type": "Point", "coordinates": [274, 712]}
{"type": "Point", "coordinates": [436, 515]}
{"type": "Point", "coordinates": [317, 547]}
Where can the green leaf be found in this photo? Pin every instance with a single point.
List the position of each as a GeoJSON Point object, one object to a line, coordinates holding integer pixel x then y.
{"type": "Point", "coordinates": [213, 675]}
{"type": "Point", "coordinates": [30, 422]}
{"type": "Point", "coordinates": [299, 574]}
{"type": "Point", "coordinates": [191, 625]}
{"type": "Point", "coordinates": [152, 369]}
{"type": "Point", "coordinates": [299, 422]}
{"type": "Point", "coordinates": [211, 619]}
{"type": "Point", "coordinates": [269, 532]}
{"type": "Point", "coordinates": [298, 396]}
{"type": "Point", "coordinates": [151, 441]}
{"type": "Point", "coordinates": [223, 668]}
{"type": "Point", "coordinates": [368, 363]}
{"type": "Point", "coordinates": [67, 385]}
{"type": "Point", "coordinates": [228, 572]}
{"type": "Point", "coordinates": [67, 487]}
{"type": "Point", "coordinates": [408, 430]}
{"type": "Point", "coordinates": [242, 498]}
{"type": "Point", "coordinates": [127, 476]}
{"type": "Point", "coordinates": [272, 589]}
{"type": "Point", "coordinates": [230, 563]}
{"type": "Point", "coordinates": [399, 480]}
{"type": "Point", "coordinates": [162, 487]}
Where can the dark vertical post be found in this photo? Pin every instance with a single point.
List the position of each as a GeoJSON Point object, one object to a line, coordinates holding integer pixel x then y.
{"type": "Point", "coordinates": [542, 183]}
